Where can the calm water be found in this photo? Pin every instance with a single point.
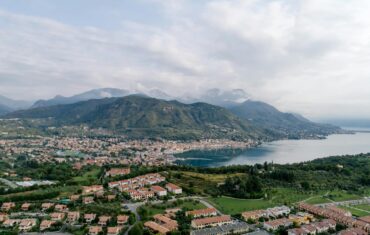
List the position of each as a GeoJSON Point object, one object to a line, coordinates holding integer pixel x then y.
{"type": "Point", "coordinates": [283, 151]}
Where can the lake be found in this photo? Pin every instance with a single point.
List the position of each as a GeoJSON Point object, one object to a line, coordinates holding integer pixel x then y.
{"type": "Point", "coordinates": [282, 151]}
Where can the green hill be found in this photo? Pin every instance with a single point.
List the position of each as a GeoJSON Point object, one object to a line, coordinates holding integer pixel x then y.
{"type": "Point", "coordinates": [138, 116]}
{"type": "Point", "coordinates": [279, 123]}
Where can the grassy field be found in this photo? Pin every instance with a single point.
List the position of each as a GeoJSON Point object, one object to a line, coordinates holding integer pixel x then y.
{"type": "Point", "coordinates": [198, 182]}
{"type": "Point", "coordinates": [355, 211]}
{"type": "Point", "coordinates": [340, 195]}
{"type": "Point", "coordinates": [229, 205]}
{"type": "Point", "coordinates": [88, 178]}
{"type": "Point", "coordinates": [363, 207]}
{"type": "Point", "coordinates": [186, 205]}
{"type": "Point", "coordinates": [317, 200]}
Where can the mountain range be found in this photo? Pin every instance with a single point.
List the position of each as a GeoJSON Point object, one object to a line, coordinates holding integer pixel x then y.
{"type": "Point", "coordinates": [212, 96]}
{"type": "Point", "coordinates": [8, 105]}
{"type": "Point", "coordinates": [143, 116]}
{"type": "Point", "coordinates": [139, 116]}
{"type": "Point", "coordinates": [289, 125]}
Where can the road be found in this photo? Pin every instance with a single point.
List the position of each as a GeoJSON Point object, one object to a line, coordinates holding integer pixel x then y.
{"type": "Point", "coordinates": [9, 183]}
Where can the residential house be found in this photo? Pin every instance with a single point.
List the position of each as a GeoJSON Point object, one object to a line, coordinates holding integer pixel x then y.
{"type": "Point", "coordinates": [202, 213]}
{"type": "Point", "coordinates": [61, 208]}
{"type": "Point", "coordinates": [73, 216]}
{"type": "Point", "coordinates": [159, 191]}
{"type": "Point", "coordinates": [114, 230]}
{"type": "Point", "coordinates": [92, 189]}
{"type": "Point", "coordinates": [353, 231]}
{"type": "Point", "coordinates": [254, 215]}
{"type": "Point", "coordinates": [122, 219]}
{"type": "Point", "coordinates": [46, 224]}
{"type": "Point", "coordinates": [156, 227]}
{"type": "Point", "coordinates": [89, 218]}
{"type": "Point", "coordinates": [3, 217]}
{"type": "Point", "coordinates": [173, 188]}
{"type": "Point", "coordinates": [211, 221]}
{"type": "Point", "coordinates": [46, 206]}
{"type": "Point", "coordinates": [10, 223]}
{"type": "Point", "coordinates": [275, 224]}
{"type": "Point", "coordinates": [27, 224]}
{"type": "Point", "coordinates": [103, 220]}
{"type": "Point", "coordinates": [118, 171]}
{"type": "Point", "coordinates": [57, 216]}
{"type": "Point", "coordinates": [7, 206]}
{"type": "Point", "coordinates": [88, 200]}
{"type": "Point", "coordinates": [25, 206]}
{"type": "Point", "coordinates": [74, 198]}
{"type": "Point", "coordinates": [95, 230]}
{"type": "Point", "coordinates": [166, 222]}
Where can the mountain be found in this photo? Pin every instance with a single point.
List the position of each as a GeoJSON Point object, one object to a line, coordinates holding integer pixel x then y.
{"type": "Point", "coordinates": [88, 95]}
{"type": "Point", "coordinates": [13, 104]}
{"type": "Point", "coordinates": [281, 124]}
{"type": "Point", "coordinates": [139, 116]}
{"type": "Point", "coordinates": [223, 98]}
{"type": "Point", "coordinates": [4, 109]}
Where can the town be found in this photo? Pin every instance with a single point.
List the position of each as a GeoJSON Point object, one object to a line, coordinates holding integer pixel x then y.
{"type": "Point", "coordinates": [118, 206]}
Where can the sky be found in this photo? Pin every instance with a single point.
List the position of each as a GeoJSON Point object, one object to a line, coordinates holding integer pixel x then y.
{"type": "Point", "coordinates": [310, 57]}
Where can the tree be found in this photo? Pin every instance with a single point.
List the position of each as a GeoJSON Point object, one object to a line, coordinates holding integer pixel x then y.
{"type": "Point", "coordinates": [137, 229]}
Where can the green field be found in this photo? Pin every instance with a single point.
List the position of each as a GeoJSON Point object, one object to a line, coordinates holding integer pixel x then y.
{"type": "Point", "coordinates": [363, 207]}
{"type": "Point", "coordinates": [186, 205]}
{"type": "Point", "coordinates": [355, 211]}
{"type": "Point", "coordinates": [88, 178]}
{"type": "Point", "coordinates": [229, 205]}
{"type": "Point", "coordinates": [317, 200]}
{"type": "Point", "coordinates": [339, 195]}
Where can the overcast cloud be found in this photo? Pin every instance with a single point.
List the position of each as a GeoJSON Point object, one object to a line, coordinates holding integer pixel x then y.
{"type": "Point", "coordinates": [311, 57]}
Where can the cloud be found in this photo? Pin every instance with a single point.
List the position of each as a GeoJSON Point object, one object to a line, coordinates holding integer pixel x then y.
{"type": "Point", "coordinates": [310, 57]}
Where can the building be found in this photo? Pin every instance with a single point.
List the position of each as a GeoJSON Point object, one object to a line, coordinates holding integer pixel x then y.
{"type": "Point", "coordinates": [278, 211]}
{"type": "Point", "coordinates": [156, 227]}
{"type": "Point", "coordinates": [57, 216]}
{"type": "Point", "coordinates": [73, 216]}
{"type": "Point", "coordinates": [353, 231]}
{"type": "Point", "coordinates": [61, 208]}
{"type": "Point", "coordinates": [275, 224]}
{"type": "Point", "coordinates": [95, 230]}
{"type": "Point", "coordinates": [173, 188]}
{"type": "Point", "coordinates": [46, 224]}
{"type": "Point", "coordinates": [159, 191]}
{"type": "Point", "coordinates": [211, 221]}
{"type": "Point", "coordinates": [113, 230]}
{"type": "Point", "coordinates": [88, 200]}
{"type": "Point", "coordinates": [103, 220]}
{"type": "Point", "coordinates": [118, 171]}
{"type": "Point", "coordinates": [254, 215]}
{"type": "Point", "coordinates": [298, 231]}
{"type": "Point", "coordinates": [89, 218]}
{"type": "Point", "coordinates": [46, 206]}
{"type": "Point", "coordinates": [7, 206]}
{"type": "Point", "coordinates": [202, 213]}
{"type": "Point", "coordinates": [92, 189]}
{"type": "Point", "coordinates": [25, 206]}
{"type": "Point", "coordinates": [10, 223]}
{"type": "Point", "coordinates": [122, 219]}
{"type": "Point", "coordinates": [3, 217]}
{"type": "Point", "coordinates": [27, 224]}
{"type": "Point", "coordinates": [233, 228]}
{"type": "Point", "coordinates": [74, 198]}
{"type": "Point", "coordinates": [166, 222]}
